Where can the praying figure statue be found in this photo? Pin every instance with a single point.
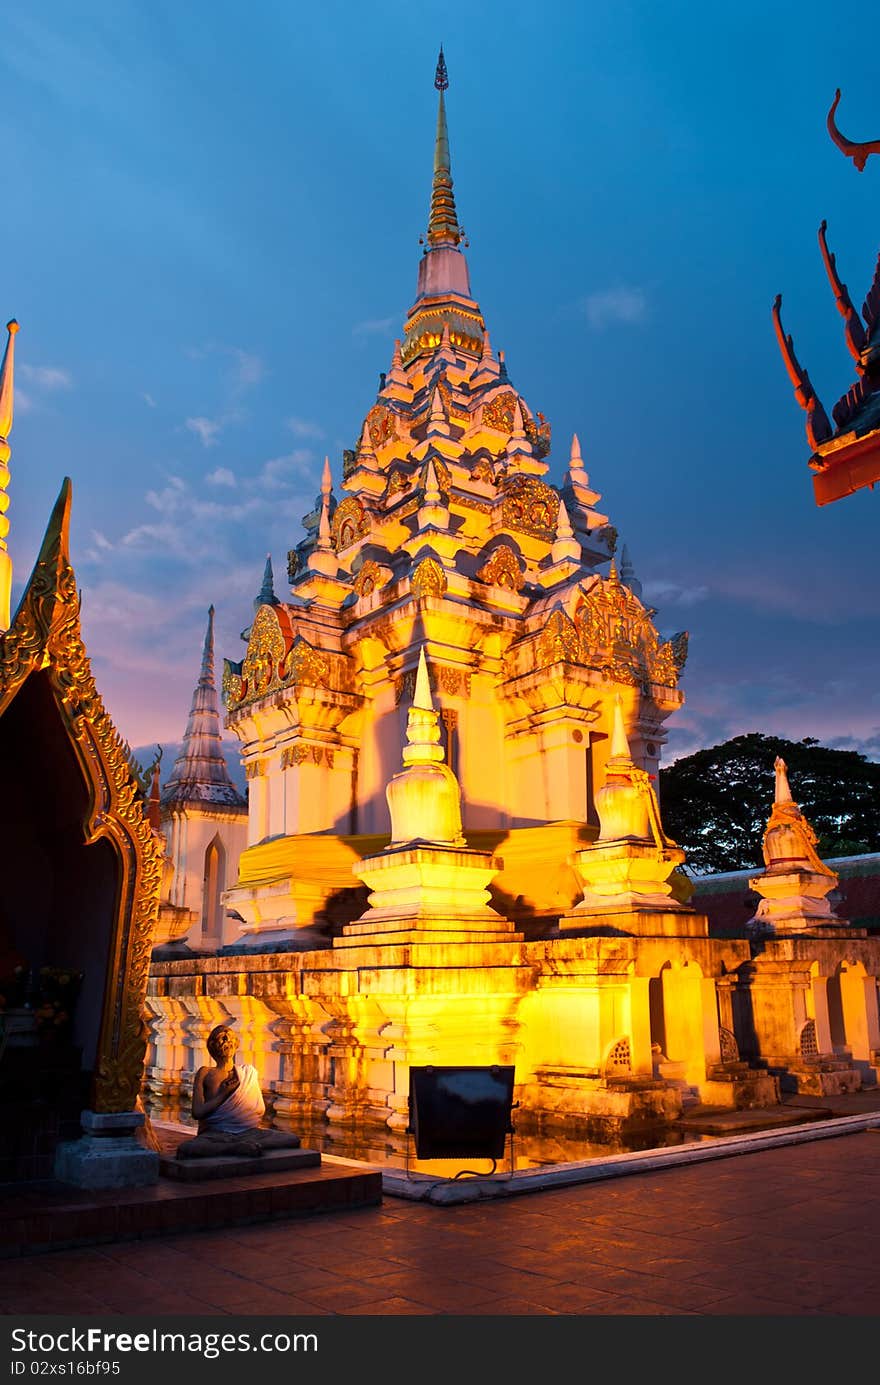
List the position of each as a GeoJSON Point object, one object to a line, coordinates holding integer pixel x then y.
{"type": "Point", "coordinates": [228, 1104]}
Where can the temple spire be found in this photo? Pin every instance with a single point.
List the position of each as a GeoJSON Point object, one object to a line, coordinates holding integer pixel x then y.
{"type": "Point", "coordinates": [7, 391]}
{"type": "Point", "coordinates": [443, 227]}
{"type": "Point", "coordinates": [266, 596]}
{"type": "Point", "coordinates": [200, 773]}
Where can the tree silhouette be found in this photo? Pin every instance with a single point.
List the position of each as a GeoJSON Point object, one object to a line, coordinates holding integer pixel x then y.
{"type": "Point", "coordinates": [715, 803]}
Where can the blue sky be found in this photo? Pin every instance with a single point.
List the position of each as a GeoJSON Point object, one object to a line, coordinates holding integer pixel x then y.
{"type": "Point", "coordinates": [210, 239]}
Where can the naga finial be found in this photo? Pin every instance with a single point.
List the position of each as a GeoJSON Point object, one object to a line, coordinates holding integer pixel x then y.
{"type": "Point", "coordinates": [859, 152]}
{"type": "Point", "coordinates": [818, 427]}
{"type": "Point", "coordinates": [856, 336]}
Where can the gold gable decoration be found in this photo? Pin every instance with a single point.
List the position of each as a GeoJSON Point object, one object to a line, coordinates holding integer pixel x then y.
{"type": "Point", "coordinates": [277, 658]}
{"type": "Point", "coordinates": [558, 642]}
{"type": "Point", "coordinates": [429, 579]}
{"type": "Point", "coordinates": [498, 412]}
{"type": "Point", "coordinates": [45, 636]}
{"type": "Point", "coordinates": [349, 523]}
{"type": "Point", "coordinates": [369, 577]}
{"type": "Point", "coordinates": [529, 505]}
{"type": "Point", "coordinates": [618, 636]}
{"type": "Point", "coordinates": [502, 569]}
{"type": "Point", "coordinates": [382, 425]}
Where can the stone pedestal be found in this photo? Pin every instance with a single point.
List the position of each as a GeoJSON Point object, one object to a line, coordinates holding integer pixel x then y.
{"type": "Point", "coordinates": [107, 1154]}
{"type": "Point", "coordinates": [625, 875]}
{"type": "Point", "coordinates": [793, 900]}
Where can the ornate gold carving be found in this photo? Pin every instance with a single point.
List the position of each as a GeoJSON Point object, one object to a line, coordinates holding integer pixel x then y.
{"type": "Point", "coordinates": [617, 635]}
{"type": "Point", "coordinates": [679, 646]}
{"type": "Point", "coordinates": [455, 681]}
{"type": "Point", "coordinates": [429, 579]}
{"type": "Point", "coordinates": [398, 481]}
{"type": "Point", "coordinates": [537, 431]}
{"type": "Point", "coordinates": [254, 769]}
{"type": "Point", "coordinates": [558, 642]}
{"type": "Point", "coordinates": [483, 470]}
{"type": "Point", "coordinates": [530, 506]}
{"type": "Point", "coordinates": [292, 564]}
{"type": "Point", "coordinates": [405, 686]}
{"type": "Point", "coordinates": [502, 569]}
{"type": "Point", "coordinates": [46, 636]}
{"type": "Point", "coordinates": [368, 578]}
{"type": "Point", "coordinates": [232, 685]}
{"type": "Point", "coordinates": [306, 665]}
{"type": "Point", "coordinates": [349, 523]}
{"type": "Point", "coordinates": [382, 423]}
{"type": "Point", "coordinates": [265, 652]}
{"type": "Point", "coordinates": [498, 412]}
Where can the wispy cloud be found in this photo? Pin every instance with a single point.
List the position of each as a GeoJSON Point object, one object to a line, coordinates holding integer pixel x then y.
{"type": "Point", "coordinates": [221, 476]}
{"type": "Point", "coordinates": [305, 428]}
{"type": "Point", "coordinates": [280, 471]}
{"type": "Point", "coordinates": [207, 430]}
{"type": "Point", "coordinates": [372, 327]}
{"type": "Point", "coordinates": [611, 307]}
{"type": "Point", "coordinates": [659, 593]}
{"type": "Point", "coordinates": [148, 399]}
{"type": "Point", "coordinates": [46, 377]}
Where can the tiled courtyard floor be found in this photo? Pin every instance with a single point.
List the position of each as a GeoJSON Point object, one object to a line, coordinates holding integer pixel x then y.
{"type": "Point", "coordinates": [792, 1230]}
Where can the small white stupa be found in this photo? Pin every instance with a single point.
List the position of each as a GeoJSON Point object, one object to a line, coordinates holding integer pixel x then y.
{"type": "Point", "coordinates": [426, 881]}
{"type": "Point", "coordinates": [794, 888]}
{"type": "Point", "coordinates": [627, 868]}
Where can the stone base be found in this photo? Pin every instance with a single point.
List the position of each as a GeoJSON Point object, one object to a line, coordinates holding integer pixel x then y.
{"type": "Point", "coordinates": [585, 1105]}
{"type": "Point", "coordinates": [825, 1077]}
{"type": "Point", "coordinates": [273, 1161]}
{"type": "Point", "coordinates": [659, 922]}
{"type": "Point", "coordinates": [738, 1087]}
{"type": "Point", "coordinates": [107, 1154]}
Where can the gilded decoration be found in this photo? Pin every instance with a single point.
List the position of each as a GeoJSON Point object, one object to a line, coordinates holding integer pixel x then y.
{"type": "Point", "coordinates": [530, 505]}
{"type": "Point", "coordinates": [382, 425]}
{"type": "Point", "coordinates": [484, 470]}
{"type": "Point", "coordinates": [277, 659]}
{"type": "Point", "coordinates": [292, 564]}
{"type": "Point", "coordinates": [260, 670]}
{"type": "Point", "coordinates": [498, 412]}
{"type": "Point", "coordinates": [618, 636]}
{"type": "Point", "coordinates": [429, 579]}
{"type": "Point", "coordinates": [538, 433]}
{"type": "Point", "coordinates": [454, 682]}
{"type": "Point", "coordinates": [450, 403]}
{"type": "Point", "coordinates": [398, 481]}
{"type": "Point", "coordinates": [349, 523]}
{"type": "Point", "coordinates": [502, 569]}
{"type": "Point", "coordinates": [46, 635]}
{"type": "Point", "coordinates": [558, 642]}
{"type": "Point", "coordinates": [306, 665]}
{"type": "Point", "coordinates": [306, 754]}
{"type": "Point", "coordinates": [254, 769]}
{"type": "Point", "coordinates": [232, 686]}
{"type": "Point", "coordinates": [367, 580]}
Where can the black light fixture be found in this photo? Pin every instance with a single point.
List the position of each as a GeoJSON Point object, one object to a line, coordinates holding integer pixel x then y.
{"type": "Point", "coordinates": [461, 1112]}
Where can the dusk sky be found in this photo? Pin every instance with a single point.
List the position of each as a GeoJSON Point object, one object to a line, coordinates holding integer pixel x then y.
{"type": "Point", "coordinates": [210, 239]}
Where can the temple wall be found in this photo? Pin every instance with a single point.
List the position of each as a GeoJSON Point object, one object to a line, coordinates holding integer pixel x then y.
{"type": "Point", "coordinates": [190, 835]}
{"type": "Point", "coordinates": [334, 1031]}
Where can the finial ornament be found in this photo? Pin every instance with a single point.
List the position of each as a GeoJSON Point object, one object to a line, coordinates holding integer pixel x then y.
{"type": "Point", "coordinates": [441, 76]}
{"type": "Point", "coordinates": [817, 423]}
{"type": "Point", "coordinates": [859, 152]}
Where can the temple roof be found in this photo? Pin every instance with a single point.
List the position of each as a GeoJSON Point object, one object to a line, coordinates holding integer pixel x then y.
{"type": "Point", "coordinates": [200, 774]}
{"type": "Point", "coordinates": [846, 451]}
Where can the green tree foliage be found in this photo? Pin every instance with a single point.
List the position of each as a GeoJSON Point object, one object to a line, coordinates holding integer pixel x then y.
{"type": "Point", "coordinates": [715, 803]}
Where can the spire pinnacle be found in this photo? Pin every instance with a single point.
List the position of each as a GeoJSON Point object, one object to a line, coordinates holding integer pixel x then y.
{"type": "Point", "coordinates": [563, 523]}
{"type": "Point", "coordinates": [620, 752]}
{"type": "Point", "coordinates": [422, 696]}
{"type": "Point", "coordinates": [6, 410]}
{"type": "Point", "coordinates": [200, 772]}
{"type": "Point", "coordinates": [266, 595]}
{"type": "Point", "coordinates": [443, 227]}
{"type": "Point", "coordinates": [782, 792]}
{"type": "Point", "coordinates": [7, 383]}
